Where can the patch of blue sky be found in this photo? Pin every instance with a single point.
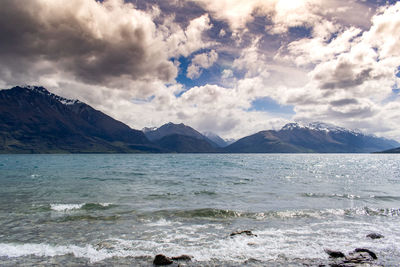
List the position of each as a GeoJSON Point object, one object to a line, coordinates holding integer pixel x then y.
{"type": "Point", "coordinates": [211, 75]}
{"type": "Point", "coordinates": [269, 105]}
{"type": "Point", "coordinates": [394, 96]}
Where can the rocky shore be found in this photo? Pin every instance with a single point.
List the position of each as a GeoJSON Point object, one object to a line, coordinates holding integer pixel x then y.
{"type": "Point", "coordinates": [356, 257]}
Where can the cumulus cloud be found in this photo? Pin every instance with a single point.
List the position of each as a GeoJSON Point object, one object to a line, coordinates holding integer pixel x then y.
{"type": "Point", "coordinates": [109, 43]}
{"type": "Point", "coordinates": [252, 60]}
{"type": "Point", "coordinates": [201, 61]}
{"type": "Point", "coordinates": [352, 75]}
{"type": "Point", "coordinates": [285, 14]}
{"type": "Point", "coordinates": [183, 42]}
{"type": "Point", "coordinates": [337, 66]}
{"type": "Point", "coordinates": [94, 42]}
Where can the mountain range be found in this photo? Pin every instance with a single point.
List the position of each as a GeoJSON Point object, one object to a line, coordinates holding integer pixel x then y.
{"type": "Point", "coordinates": [33, 120]}
{"type": "Point", "coordinates": [180, 138]}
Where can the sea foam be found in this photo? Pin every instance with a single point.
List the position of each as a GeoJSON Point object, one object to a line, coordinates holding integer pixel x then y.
{"type": "Point", "coordinates": [68, 207]}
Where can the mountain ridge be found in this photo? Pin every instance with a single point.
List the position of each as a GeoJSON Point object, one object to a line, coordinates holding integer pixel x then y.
{"type": "Point", "coordinates": [315, 137]}
{"type": "Point", "coordinates": [155, 134]}
{"type": "Point", "coordinates": [34, 120]}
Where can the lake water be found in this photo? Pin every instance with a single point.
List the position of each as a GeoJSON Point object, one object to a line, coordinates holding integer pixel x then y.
{"type": "Point", "coordinates": [102, 210]}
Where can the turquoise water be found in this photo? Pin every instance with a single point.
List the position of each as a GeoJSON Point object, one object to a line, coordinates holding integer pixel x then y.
{"type": "Point", "coordinates": [104, 210]}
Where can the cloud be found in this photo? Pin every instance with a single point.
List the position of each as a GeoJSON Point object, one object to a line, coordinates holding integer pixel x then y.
{"type": "Point", "coordinates": [285, 14]}
{"type": "Point", "coordinates": [334, 61]}
{"type": "Point", "coordinates": [227, 73]}
{"type": "Point", "coordinates": [185, 42]}
{"type": "Point", "coordinates": [94, 42]}
{"type": "Point", "coordinates": [351, 75]}
{"type": "Point", "coordinates": [252, 60]}
{"type": "Point", "coordinates": [201, 61]}
{"type": "Point", "coordinates": [109, 43]}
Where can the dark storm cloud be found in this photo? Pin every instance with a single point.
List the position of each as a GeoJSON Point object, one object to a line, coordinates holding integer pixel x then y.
{"type": "Point", "coordinates": [343, 75]}
{"type": "Point", "coordinates": [343, 102]}
{"type": "Point", "coordinates": [359, 112]}
{"type": "Point", "coordinates": [95, 42]}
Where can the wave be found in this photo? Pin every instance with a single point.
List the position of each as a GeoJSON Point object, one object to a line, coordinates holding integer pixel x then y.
{"type": "Point", "coordinates": [205, 192]}
{"type": "Point", "coordinates": [73, 218]}
{"type": "Point", "coordinates": [322, 195]}
{"type": "Point", "coordinates": [65, 207]}
{"type": "Point", "coordinates": [284, 214]}
{"type": "Point", "coordinates": [200, 213]}
{"type": "Point", "coordinates": [302, 242]}
{"type": "Point", "coordinates": [83, 206]}
{"type": "Point", "coordinates": [350, 196]}
{"type": "Point", "coordinates": [46, 250]}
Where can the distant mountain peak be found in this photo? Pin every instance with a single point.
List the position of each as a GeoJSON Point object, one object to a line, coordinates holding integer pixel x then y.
{"type": "Point", "coordinates": [37, 89]}
{"type": "Point", "coordinates": [216, 139]}
{"type": "Point", "coordinates": [155, 134]}
{"type": "Point", "coordinates": [312, 137]}
{"type": "Point", "coordinates": [318, 126]}
{"type": "Point", "coordinates": [44, 91]}
{"type": "Point", "coordinates": [291, 126]}
{"type": "Point", "coordinates": [327, 127]}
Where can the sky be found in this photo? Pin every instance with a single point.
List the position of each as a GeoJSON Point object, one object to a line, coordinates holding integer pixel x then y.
{"type": "Point", "coordinates": [232, 67]}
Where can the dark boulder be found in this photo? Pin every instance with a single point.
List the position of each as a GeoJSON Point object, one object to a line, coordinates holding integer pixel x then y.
{"type": "Point", "coordinates": [355, 258]}
{"type": "Point", "coordinates": [161, 259]}
{"type": "Point", "coordinates": [372, 254]}
{"type": "Point", "coordinates": [375, 236]}
{"type": "Point", "coordinates": [334, 254]}
{"type": "Point", "coordinates": [182, 258]}
{"type": "Point", "coordinates": [244, 232]}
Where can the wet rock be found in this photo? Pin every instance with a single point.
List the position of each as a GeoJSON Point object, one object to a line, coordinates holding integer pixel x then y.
{"type": "Point", "coordinates": [244, 232]}
{"type": "Point", "coordinates": [161, 259]}
{"type": "Point", "coordinates": [182, 258]}
{"type": "Point", "coordinates": [359, 257]}
{"type": "Point", "coordinates": [372, 254]}
{"type": "Point", "coordinates": [375, 236]}
{"type": "Point", "coordinates": [334, 254]}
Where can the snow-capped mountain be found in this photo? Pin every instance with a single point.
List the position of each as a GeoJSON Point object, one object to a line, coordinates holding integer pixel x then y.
{"type": "Point", "coordinates": [43, 91]}
{"type": "Point", "coordinates": [313, 137]}
{"type": "Point", "coordinates": [33, 120]}
{"type": "Point", "coordinates": [319, 126]}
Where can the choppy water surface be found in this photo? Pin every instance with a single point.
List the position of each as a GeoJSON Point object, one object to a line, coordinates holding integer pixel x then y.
{"type": "Point", "coordinates": [104, 210]}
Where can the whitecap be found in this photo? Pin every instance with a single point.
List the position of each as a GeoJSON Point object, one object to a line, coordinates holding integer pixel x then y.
{"type": "Point", "coordinates": [66, 207]}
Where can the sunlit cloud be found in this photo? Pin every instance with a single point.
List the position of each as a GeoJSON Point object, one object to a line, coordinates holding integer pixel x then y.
{"type": "Point", "coordinates": [205, 63]}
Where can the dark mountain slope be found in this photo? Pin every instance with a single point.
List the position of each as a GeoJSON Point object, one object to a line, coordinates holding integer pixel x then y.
{"type": "Point", "coordinates": [168, 133]}
{"type": "Point", "coordinates": [315, 137]}
{"type": "Point", "coordinates": [185, 144]}
{"type": "Point", "coordinates": [263, 142]}
{"type": "Point", "coordinates": [34, 120]}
